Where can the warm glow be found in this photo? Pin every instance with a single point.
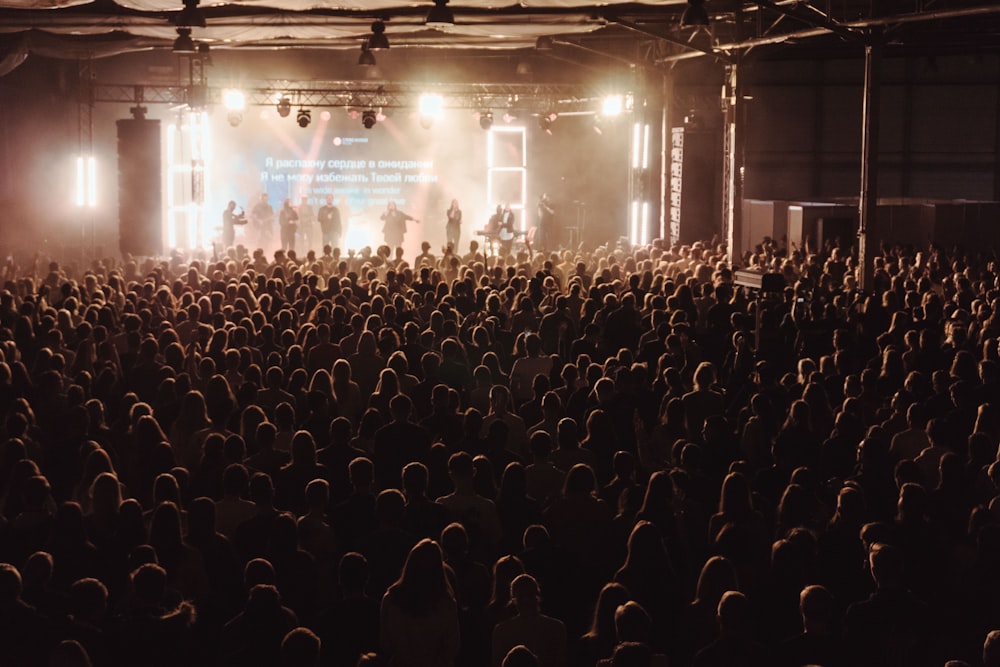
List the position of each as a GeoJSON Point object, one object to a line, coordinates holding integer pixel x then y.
{"type": "Point", "coordinates": [431, 105]}
{"type": "Point", "coordinates": [645, 146]}
{"type": "Point", "coordinates": [187, 183]}
{"type": "Point", "coordinates": [634, 236]}
{"type": "Point", "coordinates": [636, 148]}
{"type": "Point", "coordinates": [86, 181]}
{"type": "Point", "coordinates": [234, 100]}
{"type": "Point", "coordinates": [91, 181]}
{"type": "Point", "coordinates": [612, 106]}
{"type": "Point", "coordinates": [644, 225]}
{"type": "Point", "coordinates": [80, 186]}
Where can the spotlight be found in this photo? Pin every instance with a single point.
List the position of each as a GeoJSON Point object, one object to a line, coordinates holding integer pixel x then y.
{"type": "Point", "coordinates": [440, 16]}
{"type": "Point", "coordinates": [233, 100]}
{"type": "Point", "coordinates": [431, 105]}
{"type": "Point", "coordinates": [235, 118]}
{"type": "Point", "coordinates": [695, 14]}
{"type": "Point", "coordinates": [284, 107]}
{"type": "Point", "coordinates": [205, 52]}
{"type": "Point", "coordinates": [190, 16]}
{"type": "Point", "coordinates": [367, 58]}
{"type": "Point", "coordinates": [546, 119]}
{"type": "Point", "coordinates": [612, 105]}
{"type": "Point", "coordinates": [486, 119]}
{"type": "Point", "coordinates": [544, 43]}
{"type": "Point", "coordinates": [368, 118]}
{"type": "Point", "coordinates": [524, 68]}
{"type": "Point", "coordinates": [509, 117]}
{"type": "Point", "coordinates": [184, 43]}
{"type": "Point", "coordinates": [303, 118]}
{"type": "Point", "coordinates": [378, 41]}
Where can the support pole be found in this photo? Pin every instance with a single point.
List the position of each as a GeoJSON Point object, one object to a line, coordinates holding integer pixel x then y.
{"type": "Point", "coordinates": [869, 157]}
{"type": "Point", "coordinates": [85, 145]}
{"type": "Point", "coordinates": [667, 100]}
{"type": "Point", "coordinates": [733, 163]}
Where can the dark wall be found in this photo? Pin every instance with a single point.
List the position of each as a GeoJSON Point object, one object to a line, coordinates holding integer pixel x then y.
{"type": "Point", "coordinates": [938, 128]}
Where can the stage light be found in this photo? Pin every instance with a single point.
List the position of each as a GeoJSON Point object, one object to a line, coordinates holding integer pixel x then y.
{"type": "Point", "coordinates": [204, 52]}
{"type": "Point", "coordinates": [86, 181]}
{"type": "Point", "coordinates": [486, 119]}
{"type": "Point", "coordinates": [430, 107]}
{"type": "Point", "coordinates": [368, 118]}
{"type": "Point", "coordinates": [440, 16]}
{"type": "Point", "coordinates": [190, 16]}
{"type": "Point", "coordinates": [234, 100]}
{"type": "Point", "coordinates": [303, 118]}
{"type": "Point", "coordinates": [509, 117]}
{"type": "Point", "coordinates": [367, 58]}
{"type": "Point", "coordinates": [431, 104]}
{"type": "Point", "coordinates": [378, 41]}
{"type": "Point", "coordinates": [184, 43]}
{"type": "Point", "coordinates": [284, 107]}
{"type": "Point", "coordinates": [695, 14]}
{"type": "Point", "coordinates": [544, 43]}
{"type": "Point", "coordinates": [524, 68]}
{"type": "Point", "coordinates": [612, 105]}
{"type": "Point", "coordinates": [546, 119]}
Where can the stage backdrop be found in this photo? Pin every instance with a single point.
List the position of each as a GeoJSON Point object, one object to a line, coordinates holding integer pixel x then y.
{"type": "Point", "coordinates": [421, 169]}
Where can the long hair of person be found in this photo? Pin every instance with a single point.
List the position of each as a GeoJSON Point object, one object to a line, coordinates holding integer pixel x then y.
{"type": "Point", "coordinates": [602, 624]}
{"type": "Point", "coordinates": [423, 582]}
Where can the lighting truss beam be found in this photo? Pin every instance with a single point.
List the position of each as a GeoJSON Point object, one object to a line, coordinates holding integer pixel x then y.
{"type": "Point", "coordinates": [565, 97]}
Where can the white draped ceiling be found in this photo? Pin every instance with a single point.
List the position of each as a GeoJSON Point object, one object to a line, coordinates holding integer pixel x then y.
{"type": "Point", "coordinates": [316, 23]}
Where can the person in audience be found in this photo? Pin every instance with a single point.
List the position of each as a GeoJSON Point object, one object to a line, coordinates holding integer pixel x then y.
{"type": "Point", "coordinates": [543, 635]}
{"type": "Point", "coordinates": [419, 617]}
{"type": "Point", "coordinates": [251, 418]}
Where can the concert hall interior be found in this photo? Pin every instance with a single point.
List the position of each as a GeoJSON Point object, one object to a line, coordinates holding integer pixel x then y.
{"type": "Point", "coordinates": [464, 333]}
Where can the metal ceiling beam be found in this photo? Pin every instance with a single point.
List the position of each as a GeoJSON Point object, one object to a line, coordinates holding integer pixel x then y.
{"type": "Point", "coordinates": [832, 26]}
{"type": "Point", "coordinates": [725, 57]}
{"type": "Point", "coordinates": [898, 19]}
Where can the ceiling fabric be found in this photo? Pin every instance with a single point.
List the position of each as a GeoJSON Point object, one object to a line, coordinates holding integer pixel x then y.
{"type": "Point", "coordinates": [334, 5]}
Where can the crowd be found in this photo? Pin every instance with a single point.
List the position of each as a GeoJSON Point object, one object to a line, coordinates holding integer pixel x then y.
{"type": "Point", "coordinates": [615, 457]}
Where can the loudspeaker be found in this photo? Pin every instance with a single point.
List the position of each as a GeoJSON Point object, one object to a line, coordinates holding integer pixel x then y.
{"type": "Point", "coordinates": [140, 191]}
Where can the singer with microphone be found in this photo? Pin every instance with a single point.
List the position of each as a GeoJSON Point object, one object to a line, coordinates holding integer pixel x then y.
{"type": "Point", "coordinates": [394, 225]}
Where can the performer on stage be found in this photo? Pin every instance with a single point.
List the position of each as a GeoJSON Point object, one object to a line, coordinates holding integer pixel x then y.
{"type": "Point", "coordinates": [394, 225]}
{"type": "Point", "coordinates": [453, 230]}
{"type": "Point", "coordinates": [229, 217]}
{"type": "Point", "coordinates": [288, 220]}
{"type": "Point", "coordinates": [262, 219]}
{"type": "Point", "coordinates": [547, 234]}
{"type": "Point", "coordinates": [329, 223]}
{"type": "Point", "coordinates": [506, 230]}
{"type": "Point", "coordinates": [307, 224]}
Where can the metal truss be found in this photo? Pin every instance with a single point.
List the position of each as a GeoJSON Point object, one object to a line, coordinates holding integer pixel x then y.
{"type": "Point", "coordinates": [563, 98]}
